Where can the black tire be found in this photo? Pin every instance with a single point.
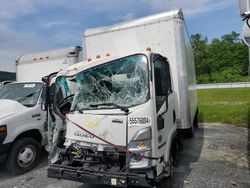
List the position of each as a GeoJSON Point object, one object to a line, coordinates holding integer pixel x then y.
{"type": "Point", "coordinates": [174, 152]}
{"type": "Point", "coordinates": [189, 133]}
{"type": "Point", "coordinates": [196, 119]}
{"type": "Point", "coordinates": [166, 182]}
{"type": "Point", "coordinates": [24, 155]}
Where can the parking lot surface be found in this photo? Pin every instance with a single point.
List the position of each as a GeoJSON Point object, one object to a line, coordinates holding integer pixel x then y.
{"type": "Point", "coordinates": [218, 156]}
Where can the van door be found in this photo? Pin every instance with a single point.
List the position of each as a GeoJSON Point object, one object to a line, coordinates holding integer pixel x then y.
{"type": "Point", "coordinates": [164, 110]}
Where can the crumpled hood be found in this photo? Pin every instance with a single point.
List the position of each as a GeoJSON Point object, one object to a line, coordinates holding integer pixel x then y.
{"type": "Point", "coordinates": [10, 107]}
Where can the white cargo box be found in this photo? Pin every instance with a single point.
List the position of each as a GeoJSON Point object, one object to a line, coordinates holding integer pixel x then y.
{"type": "Point", "coordinates": [33, 67]}
{"type": "Point", "coordinates": [164, 33]}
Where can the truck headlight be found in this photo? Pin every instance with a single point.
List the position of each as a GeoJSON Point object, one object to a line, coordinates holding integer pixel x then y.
{"type": "Point", "coordinates": [138, 160]}
{"type": "Point", "coordinates": [140, 147]}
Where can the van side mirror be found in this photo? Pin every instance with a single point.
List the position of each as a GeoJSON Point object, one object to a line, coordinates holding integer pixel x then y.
{"type": "Point", "coordinates": [44, 106]}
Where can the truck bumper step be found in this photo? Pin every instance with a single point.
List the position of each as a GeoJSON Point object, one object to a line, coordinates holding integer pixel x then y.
{"type": "Point", "coordinates": [94, 177]}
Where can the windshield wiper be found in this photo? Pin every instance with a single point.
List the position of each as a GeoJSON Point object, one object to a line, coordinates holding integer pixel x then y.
{"type": "Point", "coordinates": [80, 110]}
{"type": "Point", "coordinates": [125, 109]}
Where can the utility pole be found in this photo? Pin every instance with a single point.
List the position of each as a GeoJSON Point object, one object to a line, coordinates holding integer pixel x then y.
{"type": "Point", "coordinates": [244, 7]}
{"type": "Point", "coordinates": [249, 63]}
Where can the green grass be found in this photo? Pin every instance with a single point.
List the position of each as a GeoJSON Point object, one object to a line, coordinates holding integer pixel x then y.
{"type": "Point", "coordinates": [231, 106]}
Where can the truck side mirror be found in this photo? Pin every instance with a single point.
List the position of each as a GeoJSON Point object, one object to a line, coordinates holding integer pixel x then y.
{"type": "Point", "coordinates": [160, 123]}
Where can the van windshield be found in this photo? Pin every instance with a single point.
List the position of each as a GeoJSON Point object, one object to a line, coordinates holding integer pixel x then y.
{"type": "Point", "coordinates": [122, 82]}
{"type": "Point", "coordinates": [25, 93]}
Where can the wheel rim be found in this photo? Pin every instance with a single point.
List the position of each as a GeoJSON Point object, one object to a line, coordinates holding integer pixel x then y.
{"type": "Point", "coordinates": [26, 156]}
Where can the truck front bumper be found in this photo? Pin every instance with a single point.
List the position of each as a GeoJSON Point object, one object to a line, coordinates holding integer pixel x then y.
{"type": "Point", "coordinates": [4, 149]}
{"type": "Point", "coordinates": [97, 177]}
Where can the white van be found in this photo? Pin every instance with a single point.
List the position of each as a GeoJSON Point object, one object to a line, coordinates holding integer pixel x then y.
{"type": "Point", "coordinates": [22, 121]}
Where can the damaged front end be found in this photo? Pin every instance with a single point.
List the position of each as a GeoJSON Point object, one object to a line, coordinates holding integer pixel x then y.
{"type": "Point", "coordinates": [98, 116]}
{"type": "Point", "coordinates": [88, 165]}
{"type": "Point", "coordinates": [101, 162]}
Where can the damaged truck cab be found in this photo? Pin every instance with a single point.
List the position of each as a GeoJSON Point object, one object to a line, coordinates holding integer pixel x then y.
{"type": "Point", "coordinates": [120, 124]}
{"type": "Point", "coordinates": [121, 111]}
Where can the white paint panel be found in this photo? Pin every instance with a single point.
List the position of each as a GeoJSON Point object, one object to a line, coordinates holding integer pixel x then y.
{"type": "Point", "coordinates": [18, 118]}
{"type": "Point", "coordinates": [35, 71]}
{"type": "Point", "coordinates": [107, 127]}
{"type": "Point", "coordinates": [32, 67]}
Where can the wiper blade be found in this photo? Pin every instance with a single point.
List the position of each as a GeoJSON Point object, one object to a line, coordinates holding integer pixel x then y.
{"type": "Point", "coordinates": [80, 110]}
{"type": "Point", "coordinates": [125, 109]}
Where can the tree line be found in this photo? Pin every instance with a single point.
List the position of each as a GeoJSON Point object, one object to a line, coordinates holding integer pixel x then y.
{"type": "Point", "coordinates": [221, 60]}
{"type": "Point", "coordinates": [9, 76]}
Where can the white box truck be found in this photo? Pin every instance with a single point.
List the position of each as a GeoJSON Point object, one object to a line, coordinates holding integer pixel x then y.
{"type": "Point", "coordinates": [22, 121]}
{"type": "Point", "coordinates": [136, 89]}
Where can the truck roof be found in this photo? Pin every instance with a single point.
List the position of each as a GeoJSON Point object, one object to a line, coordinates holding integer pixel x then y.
{"type": "Point", "coordinates": [177, 13]}
{"type": "Point", "coordinates": [47, 55]}
{"type": "Point", "coordinates": [81, 66]}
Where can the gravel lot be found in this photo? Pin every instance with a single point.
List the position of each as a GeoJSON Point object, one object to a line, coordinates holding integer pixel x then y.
{"type": "Point", "coordinates": [217, 156]}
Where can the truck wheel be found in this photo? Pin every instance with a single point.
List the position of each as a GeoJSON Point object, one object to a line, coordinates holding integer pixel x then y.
{"type": "Point", "coordinates": [196, 120]}
{"type": "Point", "coordinates": [24, 155]}
{"type": "Point", "coordinates": [189, 133]}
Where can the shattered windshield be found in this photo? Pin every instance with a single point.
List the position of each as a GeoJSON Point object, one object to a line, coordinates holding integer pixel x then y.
{"type": "Point", "coordinates": [122, 82]}
{"type": "Point", "coordinates": [25, 93]}
{"type": "Point", "coordinates": [63, 88]}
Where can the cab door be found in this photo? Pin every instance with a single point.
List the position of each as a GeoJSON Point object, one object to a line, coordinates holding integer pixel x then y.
{"type": "Point", "coordinates": [164, 109]}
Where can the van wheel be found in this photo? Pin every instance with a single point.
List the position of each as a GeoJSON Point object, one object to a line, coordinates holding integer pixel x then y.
{"type": "Point", "coordinates": [23, 156]}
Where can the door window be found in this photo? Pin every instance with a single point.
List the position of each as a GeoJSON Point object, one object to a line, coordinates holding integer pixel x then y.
{"type": "Point", "coordinates": [162, 82]}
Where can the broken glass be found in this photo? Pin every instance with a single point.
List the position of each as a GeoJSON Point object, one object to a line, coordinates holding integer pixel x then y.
{"type": "Point", "coordinates": [124, 82]}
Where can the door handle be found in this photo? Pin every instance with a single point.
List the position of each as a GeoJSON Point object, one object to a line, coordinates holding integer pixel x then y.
{"type": "Point", "coordinates": [36, 115]}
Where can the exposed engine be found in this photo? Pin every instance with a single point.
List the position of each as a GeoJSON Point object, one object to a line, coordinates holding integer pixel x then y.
{"type": "Point", "coordinates": [108, 160]}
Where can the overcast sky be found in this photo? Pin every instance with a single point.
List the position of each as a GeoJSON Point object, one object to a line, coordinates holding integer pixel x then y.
{"type": "Point", "coordinates": [28, 26]}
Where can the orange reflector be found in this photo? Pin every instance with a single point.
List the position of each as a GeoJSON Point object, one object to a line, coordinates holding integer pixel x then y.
{"type": "Point", "coordinates": [149, 49]}
{"type": "Point", "coordinates": [141, 145]}
{"type": "Point", "coordinates": [3, 128]}
{"type": "Point", "coordinates": [89, 59]}
{"type": "Point", "coordinates": [98, 56]}
{"type": "Point", "coordinates": [108, 54]}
